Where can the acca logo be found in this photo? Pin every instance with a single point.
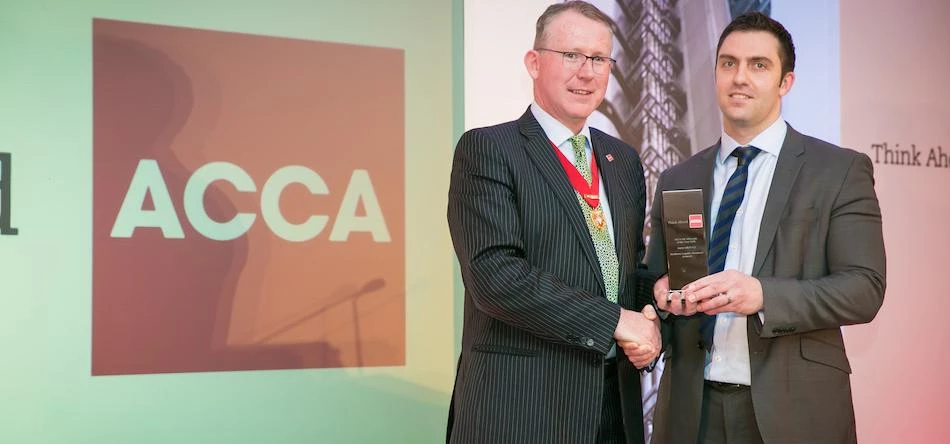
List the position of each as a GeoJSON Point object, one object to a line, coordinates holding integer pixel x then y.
{"type": "Point", "coordinates": [248, 202]}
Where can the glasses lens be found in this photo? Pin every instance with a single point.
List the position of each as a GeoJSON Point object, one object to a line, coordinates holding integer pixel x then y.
{"type": "Point", "coordinates": [572, 60]}
{"type": "Point", "coordinates": [597, 65]}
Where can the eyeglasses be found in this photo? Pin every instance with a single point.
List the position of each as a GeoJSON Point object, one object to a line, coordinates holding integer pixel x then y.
{"type": "Point", "coordinates": [574, 60]}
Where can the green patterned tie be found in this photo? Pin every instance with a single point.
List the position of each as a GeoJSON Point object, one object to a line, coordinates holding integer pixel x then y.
{"type": "Point", "coordinates": [603, 244]}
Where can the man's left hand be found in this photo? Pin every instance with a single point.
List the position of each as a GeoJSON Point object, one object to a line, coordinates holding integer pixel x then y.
{"type": "Point", "coordinates": [726, 291]}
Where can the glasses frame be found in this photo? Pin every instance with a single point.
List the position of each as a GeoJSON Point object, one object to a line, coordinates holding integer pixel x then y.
{"type": "Point", "coordinates": [567, 61]}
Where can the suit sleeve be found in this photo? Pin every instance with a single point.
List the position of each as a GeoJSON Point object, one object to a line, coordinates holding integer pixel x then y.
{"type": "Point", "coordinates": [645, 276]}
{"type": "Point", "coordinates": [852, 289]}
{"type": "Point", "coordinates": [656, 254]}
{"type": "Point", "coordinates": [486, 226]}
{"type": "Point", "coordinates": [656, 262]}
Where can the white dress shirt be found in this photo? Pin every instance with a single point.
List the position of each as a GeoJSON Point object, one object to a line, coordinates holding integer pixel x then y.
{"type": "Point", "coordinates": [559, 135]}
{"type": "Point", "coordinates": [728, 360]}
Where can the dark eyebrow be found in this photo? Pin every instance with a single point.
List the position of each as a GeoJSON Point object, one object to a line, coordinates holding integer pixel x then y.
{"type": "Point", "coordinates": [758, 59]}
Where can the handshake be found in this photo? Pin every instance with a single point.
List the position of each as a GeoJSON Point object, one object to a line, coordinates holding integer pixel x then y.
{"type": "Point", "coordinates": [638, 334]}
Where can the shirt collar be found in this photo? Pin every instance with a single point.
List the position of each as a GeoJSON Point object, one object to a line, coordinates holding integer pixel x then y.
{"type": "Point", "coordinates": [556, 131]}
{"type": "Point", "coordinates": [770, 141]}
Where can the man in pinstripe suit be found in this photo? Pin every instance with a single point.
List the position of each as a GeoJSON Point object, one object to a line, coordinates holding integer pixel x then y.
{"type": "Point", "coordinates": [545, 243]}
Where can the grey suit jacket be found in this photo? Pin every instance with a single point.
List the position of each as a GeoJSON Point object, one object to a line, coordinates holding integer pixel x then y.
{"type": "Point", "coordinates": [820, 260]}
{"type": "Point", "coordinates": [537, 324]}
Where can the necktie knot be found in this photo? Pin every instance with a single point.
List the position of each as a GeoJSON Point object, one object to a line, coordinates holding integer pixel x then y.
{"type": "Point", "coordinates": [745, 154]}
{"type": "Point", "coordinates": [579, 143]}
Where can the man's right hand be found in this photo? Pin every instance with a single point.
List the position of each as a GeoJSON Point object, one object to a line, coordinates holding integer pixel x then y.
{"type": "Point", "coordinates": [639, 335]}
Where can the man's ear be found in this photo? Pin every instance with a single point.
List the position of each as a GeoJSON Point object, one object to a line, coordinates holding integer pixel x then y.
{"type": "Point", "coordinates": [532, 62]}
{"type": "Point", "coordinates": [787, 81]}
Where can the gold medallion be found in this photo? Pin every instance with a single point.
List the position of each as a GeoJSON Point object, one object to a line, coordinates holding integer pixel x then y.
{"type": "Point", "coordinates": [597, 217]}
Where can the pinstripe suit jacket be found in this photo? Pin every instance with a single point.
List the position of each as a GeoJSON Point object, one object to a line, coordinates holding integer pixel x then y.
{"type": "Point", "coordinates": [820, 260]}
{"type": "Point", "coordinates": [537, 324]}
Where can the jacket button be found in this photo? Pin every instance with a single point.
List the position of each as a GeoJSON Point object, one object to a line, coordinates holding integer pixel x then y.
{"type": "Point", "coordinates": [595, 362]}
{"type": "Point", "coordinates": [589, 342]}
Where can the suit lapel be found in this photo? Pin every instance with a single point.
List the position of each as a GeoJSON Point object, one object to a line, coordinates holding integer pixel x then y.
{"type": "Point", "coordinates": [541, 152]}
{"type": "Point", "coordinates": [617, 194]}
{"type": "Point", "coordinates": [789, 163]}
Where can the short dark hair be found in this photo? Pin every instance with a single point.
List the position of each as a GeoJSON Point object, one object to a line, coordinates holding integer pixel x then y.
{"type": "Point", "coordinates": [583, 8]}
{"type": "Point", "coordinates": [757, 21]}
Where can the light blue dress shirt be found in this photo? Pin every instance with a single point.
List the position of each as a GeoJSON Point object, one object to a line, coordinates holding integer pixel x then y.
{"type": "Point", "coordinates": [728, 361]}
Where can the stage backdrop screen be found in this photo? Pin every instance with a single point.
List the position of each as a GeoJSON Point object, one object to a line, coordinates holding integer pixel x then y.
{"type": "Point", "coordinates": [225, 222]}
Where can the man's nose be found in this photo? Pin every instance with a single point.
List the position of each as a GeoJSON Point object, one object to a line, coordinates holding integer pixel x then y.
{"type": "Point", "coordinates": [741, 76]}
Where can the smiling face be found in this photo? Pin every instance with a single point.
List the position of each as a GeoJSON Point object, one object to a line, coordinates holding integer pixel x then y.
{"type": "Point", "coordinates": [570, 95]}
{"type": "Point", "coordinates": [749, 83]}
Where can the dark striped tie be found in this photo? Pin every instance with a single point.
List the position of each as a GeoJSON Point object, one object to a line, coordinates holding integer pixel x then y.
{"type": "Point", "coordinates": [732, 197]}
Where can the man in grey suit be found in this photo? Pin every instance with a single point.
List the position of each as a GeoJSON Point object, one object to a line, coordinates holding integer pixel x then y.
{"type": "Point", "coordinates": [755, 352]}
{"type": "Point", "coordinates": [546, 215]}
